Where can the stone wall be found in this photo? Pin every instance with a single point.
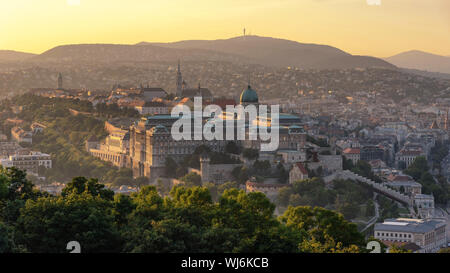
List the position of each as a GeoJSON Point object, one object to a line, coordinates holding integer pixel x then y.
{"type": "Point", "coordinates": [217, 173]}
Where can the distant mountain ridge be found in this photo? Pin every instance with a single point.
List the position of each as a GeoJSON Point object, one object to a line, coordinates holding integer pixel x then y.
{"type": "Point", "coordinates": [249, 49]}
{"type": "Point", "coordinates": [281, 53]}
{"type": "Point", "coordinates": [14, 56]}
{"type": "Point", "coordinates": [112, 53]}
{"type": "Point", "coordinates": [416, 59]}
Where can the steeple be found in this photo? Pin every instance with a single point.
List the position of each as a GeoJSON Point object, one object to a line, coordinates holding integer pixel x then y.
{"type": "Point", "coordinates": [60, 81]}
{"type": "Point", "coordinates": [179, 80]}
{"type": "Point", "coordinates": [447, 123]}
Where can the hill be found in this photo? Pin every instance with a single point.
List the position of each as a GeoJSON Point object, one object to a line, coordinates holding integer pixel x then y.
{"type": "Point", "coordinates": [420, 60]}
{"type": "Point", "coordinates": [114, 53]}
{"type": "Point", "coordinates": [281, 53]}
{"type": "Point", "coordinates": [14, 56]}
{"type": "Point", "coordinates": [249, 49]}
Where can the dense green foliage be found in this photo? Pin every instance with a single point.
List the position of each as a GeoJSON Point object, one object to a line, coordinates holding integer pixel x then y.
{"type": "Point", "coordinates": [188, 220]}
{"type": "Point", "coordinates": [389, 208]}
{"type": "Point", "coordinates": [419, 171]}
{"type": "Point", "coordinates": [362, 168]}
{"type": "Point", "coordinates": [65, 136]}
{"type": "Point", "coordinates": [345, 196]}
{"type": "Point", "coordinates": [438, 153]}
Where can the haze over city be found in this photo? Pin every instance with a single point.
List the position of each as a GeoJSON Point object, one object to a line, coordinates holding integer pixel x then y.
{"type": "Point", "coordinates": [384, 28]}
{"type": "Point", "coordinates": [243, 127]}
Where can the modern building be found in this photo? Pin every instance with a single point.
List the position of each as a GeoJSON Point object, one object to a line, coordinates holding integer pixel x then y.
{"type": "Point", "coordinates": [372, 152]}
{"type": "Point", "coordinates": [428, 234]}
{"type": "Point", "coordinates": [29, 162]}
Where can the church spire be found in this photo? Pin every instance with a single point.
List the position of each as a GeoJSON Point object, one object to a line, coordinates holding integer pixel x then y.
{"type": "Point", "coordinates": [60, 81]}
{"type": "Point", "coordinates": [179, 80]}
{"type": "Point", "coordinates": [447, 123]}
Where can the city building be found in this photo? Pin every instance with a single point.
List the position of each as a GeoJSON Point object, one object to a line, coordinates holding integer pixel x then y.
{"type": "Point", "coordinates": [428, 234]}
{"type": "Point", "coordinates": [153, 108]}
{"type": "Point", "coordinates": [37, 127]}
{"type": "Point", "coordinates": [184, 91]}
{"type": "Point", "coordinates": [29, 162]}
{"type": "Point", "coordinates": [114, 149]}
{"type": "Point", "coordinates": [354, 154]}
{"type": "Point", "coordinates": [298, 172]}
{"type": "Point", "coordinates": [151, 93]}
{"type": "Point", "coordinates": [20, 135]}
{"type": "Point", "coordinates": [151, 141]}
{"type": "Point", "coordinates": [9, 148]}
{"type": "Point", "coordinates": [425, 205]}
{"type": "Point", "coordinates": [407, 155]}
{"type": "Point", "coordinates": [404, 184]}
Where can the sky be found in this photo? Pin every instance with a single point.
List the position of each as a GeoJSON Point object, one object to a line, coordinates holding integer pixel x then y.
{"type": "Point", "coordinates": [378, 28]}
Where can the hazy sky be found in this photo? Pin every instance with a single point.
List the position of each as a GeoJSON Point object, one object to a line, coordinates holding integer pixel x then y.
{"type": "Point", "coordinates": [356, 26]}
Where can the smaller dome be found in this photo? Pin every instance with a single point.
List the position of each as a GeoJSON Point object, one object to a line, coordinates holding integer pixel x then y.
{"type": "Point", "coordinates": [249, 96]}
{"type": "Point", "coordinates": [159, 129]}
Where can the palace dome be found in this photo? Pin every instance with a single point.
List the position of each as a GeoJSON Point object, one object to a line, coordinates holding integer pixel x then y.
{"type": "Point", "coordinates": [249, 96]}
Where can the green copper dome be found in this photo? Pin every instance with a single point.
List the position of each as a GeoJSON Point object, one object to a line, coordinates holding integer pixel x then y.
{"type": "Point", "coordinates": [249, 96]}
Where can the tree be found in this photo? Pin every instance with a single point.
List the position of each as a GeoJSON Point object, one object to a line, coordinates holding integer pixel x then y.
{"type": "Point", "coordinates": [5, 244]}
{"type": "Point", "coordinates": [232, 148]}
{"type": "Point", "coordinates": [444, 250]}
{"type": "Point", "coordinates": [19, 187]}
{"type": "Point", "coordinates": [347, 164]}
{"type": "Point", "coordinates": [283, 196]}
{"type": "Point", "coordinates": [327, 229]}
{"type": "Point", "coordinates": [170, 166]}
{"type": "Point", "coordinates": [250, 153]}
{"type": "Point", "coordinates": [48, 224]}
{"type": "Point", "coordinates": [163, 186]}
{"type": "Point", "coordinates": [123, 207]}
{"type": "Point", "coordinates": [398, 249]}
{"type": "Point", "coordinates": [240, 174]}
{"type": "Point", "coordinates": [80, 185]}
{"type": "Point", "coordinates": [192, 179]}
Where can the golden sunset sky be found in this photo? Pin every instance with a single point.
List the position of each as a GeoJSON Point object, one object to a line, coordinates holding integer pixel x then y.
{"type": "Point", "coordinates": [351, 25]}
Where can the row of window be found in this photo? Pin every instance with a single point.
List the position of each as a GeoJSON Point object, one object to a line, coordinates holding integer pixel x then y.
{"type": "Point", "coordinates": [400, 235]}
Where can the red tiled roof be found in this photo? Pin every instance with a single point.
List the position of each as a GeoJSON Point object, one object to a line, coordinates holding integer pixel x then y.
{"type": "Point", "coordinates": [352, 151]}
{"type": "Point", "coordinates": [399, 178]}
{"type": "Point", "coordinates": [302, 168]}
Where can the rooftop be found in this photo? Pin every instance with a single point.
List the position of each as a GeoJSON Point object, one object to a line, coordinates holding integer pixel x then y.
{"type": "Point", "coordinates": [408, 225]}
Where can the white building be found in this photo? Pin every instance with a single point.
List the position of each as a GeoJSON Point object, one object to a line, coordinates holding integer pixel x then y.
{"type": "Point", "coordinates": [408, 155]}
{"type": "Point", "coordinates": [28, 162]}
{"type": "Point", "coordinates": [354, 154]}
{"type": "Point", "coordinates": [429, 234]}
{"type": "Point", "coordinates": [425, 205]}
